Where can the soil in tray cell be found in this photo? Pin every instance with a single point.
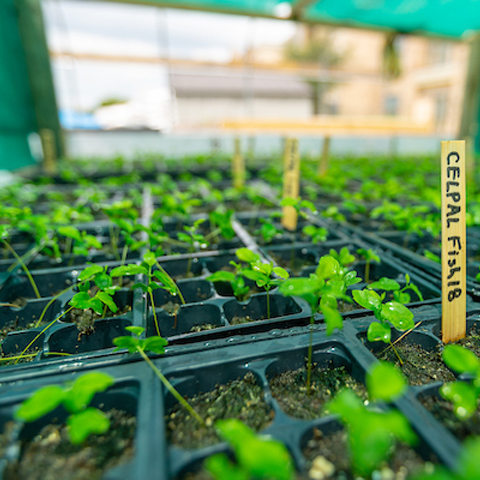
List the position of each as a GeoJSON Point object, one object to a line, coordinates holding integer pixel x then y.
{"type": "Point", "coordinates": [421, 364]}
{"type": "Point", "coordinates": [50, 455]}
{"type": "Point", "coordinates": [333, 447]}
{"type": "Point", "coordinates": [442, 410]}
{"type": "Point", "coordinates": [290, 390]}
{"type": "Point", "coordinates": [242, 398]}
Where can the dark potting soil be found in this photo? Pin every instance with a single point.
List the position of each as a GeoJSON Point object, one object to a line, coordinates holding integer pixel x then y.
{"type": "Point", "coordinates": [30, 355]}
{"type": "Point", "coordinates": [241, 398]}
{"type": "Point", "coordinates": [85, 319]}
{"type": "Point", "coordinates": [442, 410]}
{"type": "Point", "coordinates": [420, 366]}
{"type": "Point", "coordinates": [290, 390]}
{"type": "Point", "coordinates": [236, 320]}
{"type": "Point", "coordinates": [333, 447]}
{"type": "Point", "coordinates": [472, 341]}
{"type": "Point", "coordinates": [51, 456]}
{"type": "Point", "coordinates": [203, 327]}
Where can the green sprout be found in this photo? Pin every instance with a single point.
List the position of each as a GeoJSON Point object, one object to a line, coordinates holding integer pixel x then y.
{"type": "Point", "coordinates": [193, 239]}
{"type": "Point", "coordinates": [344, 257]}
{"type": "Point", "coordinates": [262, 274]}
{"type": "Point", "coordinates": [3, 238]}
{"type": "Point", "coordinates": [435, 258]}
{"type": "Point", "coordinates": [371, 432]}
{"type": "Point", "coordinates": [399, 294]}
{"type": "Point", "coordinates": [75, 398]}
{"type": "Point", "coordinates": [221, 224]}
{"type": "Point", "coordinates": [321, 290]}
{"type": "Point", "coordinates": [153, 277]}
{"type": "Point", "coordinates": [157, 344]}
{"type": "Point", "coordinates": [386, 313]}
{"type": "Point", "coordinates": [317, 234]}
{"type": "Point", "coordinates": [464, 395]}
{"type": "Point", "coordinates": [268, 231]}
{"type": "Point", "coordinates": [257, 456]}
{"type": "Point", "coordinates": [236, 280]}
{"type": "Point", "coordinates": [369, 256]}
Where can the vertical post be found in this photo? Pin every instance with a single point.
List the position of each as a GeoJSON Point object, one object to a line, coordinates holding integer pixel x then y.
{"type": "Point", "coordinates": [238, 166]}
{"type": "Point", "coordinates": [323, 165]}
{"type": "Point", "coordinates": [454, 303]}
{"type": "Point", "coordinates": [291, 182]}
{"type": "Point", "coordinates": [32, 34]}
{"type": "Point", "coordinates": [49, 151]}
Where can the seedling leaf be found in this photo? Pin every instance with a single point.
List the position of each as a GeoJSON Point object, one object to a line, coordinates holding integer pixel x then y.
{"type": "Point", "coordinates": [82, 424]}
{"type": "Point", "coordinates": [40, 403]}
{"type": "Point", "coordinates": [385, 382]}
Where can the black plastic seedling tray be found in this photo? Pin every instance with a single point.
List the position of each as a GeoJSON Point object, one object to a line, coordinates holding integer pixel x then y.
{"type": "Point", "coordinates": [199, 368]}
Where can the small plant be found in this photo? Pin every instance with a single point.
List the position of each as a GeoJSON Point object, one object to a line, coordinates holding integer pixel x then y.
{"type": "Point", "coordinates": [299, 205]}
{"type": "Point", "coordinates": [152, 277]}
{"type": "Point", "coordinates": [321, 290]}
{"type": "Point", "coordinates": [257, 456]}
{"type": "Point", "coordinates": [464, 395]}
{"type": "Point", "coordinates": [157, 344]}
{"type": "Point", "coordinates": [369, 256]}
{"type": "Point", "coordinates": [3, 238]}
{"type": "Point", "coordinates": [386, 313]}
{"type": "Point", "coordinates": [75, 398]}
{"type": "Point", "coordinates": [344, 257]}
{"type": "Point", "coordinates": [194, 240]}
{"type": "Point", "coordinates": [221, 224]}
{"type": "Point", "coordinates": [371, 432]}
{"type": "Point", "coordinates": [236, 280]}
{"type": "Point", "coordinates": [261, 273]}
{"type": "Point", "coordinates": [399, 294]}
{"type": "Point", "coordinates": [268, 231]}
{"type": "Point", "coordinates": [317, 234]}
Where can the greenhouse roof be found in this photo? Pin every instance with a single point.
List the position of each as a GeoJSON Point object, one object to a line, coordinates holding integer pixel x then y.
{"type": "Point", "coordinates": [451, 18]}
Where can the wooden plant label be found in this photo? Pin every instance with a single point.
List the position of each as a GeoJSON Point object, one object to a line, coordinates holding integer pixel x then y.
{"type": "Point", "coordinates": [323, 164]}
{"type": "Point", "coordinates": [238, 167]}
{"type": "Point", "coordinates": [454, 300]}
{"type": "Point", "coordinates": [291, 182]}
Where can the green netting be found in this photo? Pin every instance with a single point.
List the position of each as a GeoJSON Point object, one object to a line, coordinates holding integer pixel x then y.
{"type": "Point", "coordinates": [17, 116]}
{"type": "Point", "coordinates": [452, 18]}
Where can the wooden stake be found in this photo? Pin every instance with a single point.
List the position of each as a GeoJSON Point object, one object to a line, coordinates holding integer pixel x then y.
{"type": "Point", "coordinates": [49, 151]}
{"type": "Point", "coordinates": [291, 182]}
{"type": "Point", "coordinates": [454, 300]}
{"type": "Point", "coordinates": [238, 166]}
{"type": "Point", "coordinates": [323, 165]}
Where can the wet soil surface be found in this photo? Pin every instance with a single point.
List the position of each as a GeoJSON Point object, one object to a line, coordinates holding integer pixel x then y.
{"type": "Point", "coordinates": [242, 398]}
{"type": "Point", "coordinates": [85, 319]}
{"type": "Point", "coordinates": [472, 341]}
{"type": "Point", "coordinates": [51, 456]}
{"type": "Point", "coordinates": [333, 448]}
{"type": "Point", "coordinates": [290, 390]}
{"type": "Point", "coordinates": [442, 410]}
{"type": "Point", "coordinates": [420, 366]}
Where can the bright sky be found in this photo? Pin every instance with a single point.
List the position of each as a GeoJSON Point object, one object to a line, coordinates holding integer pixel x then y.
{"type": "Point", "coordinates": [120, 29]}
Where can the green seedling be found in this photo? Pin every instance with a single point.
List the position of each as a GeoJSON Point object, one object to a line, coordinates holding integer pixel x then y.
{"type": "Point", "coordinates": [221, 225]}
{"type": "Point", "coordinates": [75, 398]}
{"type": "Point", "coordinates": [102, 298]}
{"type": "Point", "coordinates": [344, 257]}
{"type": "Point", "coordinates": [372, 432]}
{"type": "Point", "coordinates": [194, 240]}
{"type": "Point", "coordinates": [299, 205]}
{"type": "Point", "coordinates": [464, 395]}
{"type": "Point", "coordinates": [317, 234]}
{"type": "Point", "coordinates": [81, 241]}
{"type": "Point", "coordinates": [333, 213]}
{"type": "Point", "coordinates": [321, 290]}
{"type": "Point", "coordinates": [386, 313]}
{"type": "Point", "coordinates": [152, 279]}
{"type": "Point", "coordinates": [236, 280]}
{"type": "Point", "coordinates": [262, 274]}
{"type": "Point", "coordinates": [157, 344]}
{"type": "Point", "coordinates": [268, 231]}
{"type": "Point", "coordinates": [435, 258]}
{"type": "Point", "coordinates": [3, 238]}
{"type": "Point", "coordinates": [399, 294]}
{"type": "Point", "coordinates": [369, 256]}
{"type": "Point", "coordinates": [257, 456]}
